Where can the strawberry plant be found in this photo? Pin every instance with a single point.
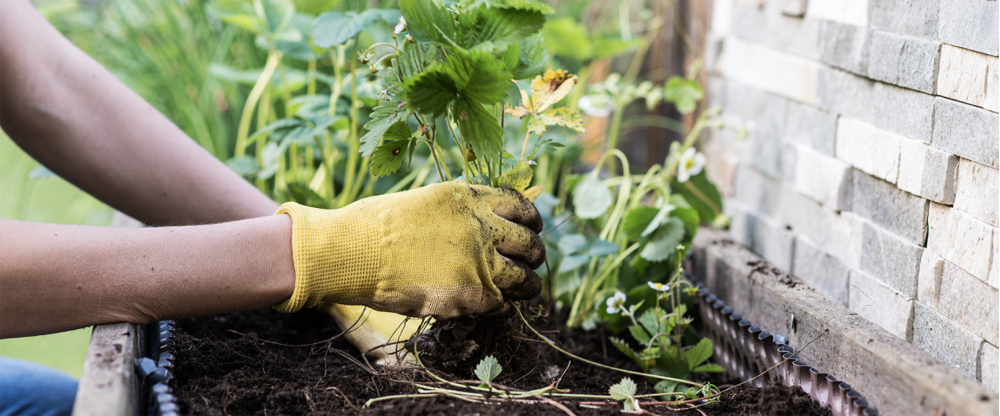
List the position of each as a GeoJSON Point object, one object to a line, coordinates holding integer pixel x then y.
{"type": "Point", "coordinates": [452, 73]}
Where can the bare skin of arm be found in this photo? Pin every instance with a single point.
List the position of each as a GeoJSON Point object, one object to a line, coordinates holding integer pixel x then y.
{"type": "Point", "coordinates": [73, 116]}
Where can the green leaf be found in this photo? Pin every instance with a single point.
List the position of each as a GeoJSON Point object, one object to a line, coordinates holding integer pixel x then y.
{"type": "Point", "coordinates": [708, 368]}
{"type": "Point", "coordinates": [237, 12]}
{"type": "Point", "coordinates": [488, 369]}
{"type": "Point", "coordinates": [532, 58]}
{"type": "Point", "coordinates": [480, 129]}
{"type": "Point", "coordinates": [664, 242]}
{"type": "Point", "coordinates": [636, 221]}
{"type": "Point", "coordinates": [572, 243]}
{"type": "Point", "coordinates": [570, 263]}
{"type": "Point", "coordinates": [500, 27]}
{"type": "Point", "coordinates": [517, 178]}
{"type": "Point", "coordinates": [657, 220]}
{"type": "Point", "coordinates": [651, 321]}
{"type": "Point", "coordinates": [389, 156]}
{"type": "Point", "coordinates": [622, 346]}
{"type": "Point", "coordinates": [591, 198]}
{"type": "Point", "coordinates": [684, 93]}
{"type": "Point", "coordinates": [244, 165]}
{"type": "Point", "coordinates": [476, 76]}
{"type": "Point", "coordinates": [302, 194]}
{"type": "Point", "coordinates": [625, 390]}
{"type": "Point", "coordinates": [335, 28]}
{"type": "Point", "coordinates": [665, 386]}
{"type": "Point", "coordinates": [690, 218]}
{"type": "Point", "coordinates": [274, 14]}
{"type": "Point", "coordinates": [383, 116]}
{"type": "Point", "coordinates": [566, 38]}
{"type": "Point", "coordinates": [639, 334]}
{"type": "Point", "coordinates": [707, 209]}
{"type": "Point", "coordinates": [600, 248]}
{"type": "Point", "coordinates": [698, 353]}
{"type": "Point", "coordinates": [533, 5]}
{"type": "Point", "coordinates": [428, 21]}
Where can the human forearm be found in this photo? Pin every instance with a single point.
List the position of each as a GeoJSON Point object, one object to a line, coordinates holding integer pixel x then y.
{"type": "Point", "coordinates": [73, 116]}
{"type": "Point", "coordinates": [60, 277]}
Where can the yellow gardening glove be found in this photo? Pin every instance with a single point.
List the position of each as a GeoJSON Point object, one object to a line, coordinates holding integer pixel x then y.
{"type": "Point", "coordinates": [379, 335]}
{"type": "Point", "coordinates": [444, 250]}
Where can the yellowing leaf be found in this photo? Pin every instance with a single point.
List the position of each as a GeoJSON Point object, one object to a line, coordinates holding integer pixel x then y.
{"type": "Point", "coordinates": [518, 177]}
{"type": "Point", "coordinates": [521, 110]}
{"type": "Point", "coordinates": [532, 192]}
{"type": "Point", "coordinates": [549, 89]}
{"type": "Point", "coordinates": [562, 117]}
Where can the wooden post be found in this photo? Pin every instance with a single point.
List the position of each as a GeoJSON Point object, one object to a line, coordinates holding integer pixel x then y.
{"type": "Point", "coordinates": [108, 385]}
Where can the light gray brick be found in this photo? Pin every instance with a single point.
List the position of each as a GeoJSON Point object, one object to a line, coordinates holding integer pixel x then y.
{"type": "Point", "coordinates": [893, 260]}
{"type": "Point", "coordinates": [988, 367]}
{"type": "Point", "coordinates": [765, 116]}
{"type": "Point", "coordinates": [966, 131]}
{"type": "Point", "coordinates": [929, 279]}
{"type": "Point", "coordinates": [963, 75]}
{"type": "Point", "coordinates": [971, 24]}
{"type": "Point", "coordinates": [737, 213]}
{"type": "Point", "coordinates": [838, 234]}
{"type": "Point", "coordinates": [823, 178]}
{"type": "Point", "coordinates": [820, 271]}
{"type": "Point", "coordinates": [854, 12]}
{"type": "Point", "coordinates": [758, 192]}
{"type": "Point", "coordinates": [890, 207]}
{"type": "Point", "coordinates": [904, 61]}
{"type": "Point", "coordinates": [941, 338]}
{"type": "Point", "coordinates": [927, 172]}
{"type": "Point", "coordinates": [960, 239]}
{"type": "Point", "coordinates": [970, 302]}
{"type": "Point", "coordinates": [769, 69]}
{"type": "Point", "coordinates": [770, 240]}
{"type": "Point", "coordinates": [844, 46]}
{"type": "Point", "coordinates": [907, 17]}
{"type": "Point", "coordinates": [978, 191]}
{"type": "Point", "coordinates": [811, 126]}
{"type": "Point", "coordinates": [891, 108]}
{"type": "Point", "coordinates": [789, 34]}
{"type": "Point", "coordinates": [878, 303]}
{"type": "Point", "coordinates": [869, 148]}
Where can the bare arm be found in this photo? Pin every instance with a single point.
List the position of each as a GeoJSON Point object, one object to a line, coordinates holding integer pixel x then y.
{"type": "Point", "coordinates": [58, 277]}
{"type": "Point", "coordinates": [74, 117]}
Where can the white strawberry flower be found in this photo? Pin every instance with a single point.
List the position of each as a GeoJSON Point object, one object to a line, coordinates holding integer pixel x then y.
{"type": "Point", "coordinates": [616, 303]}
{"type": "Point", "coordinates": [692, 163]}
{"type": "Point", "coordinates": [401, 26]}
{"type": "Point", "coordinates": [659, 287]}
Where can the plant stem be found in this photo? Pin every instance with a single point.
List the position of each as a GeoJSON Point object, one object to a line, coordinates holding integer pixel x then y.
{"type": "Point", "coordinates": [596, 364]}
{"type": "Point", "coordinates": [616, 121]}
{"type": "Point", "coordinates": [525, 146]}
{"type": "Point", "coordinates": [258, 88]}
{"type": "Point", "coordinates": [352, 157]}
{"type": "Point", "coordinates": [262, 115]}
{"type": "Point", "coordinates": [311, 77]}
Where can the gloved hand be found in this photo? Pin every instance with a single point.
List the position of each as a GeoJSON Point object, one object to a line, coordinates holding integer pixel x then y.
{"type": "Point", "coordinates": [444, 250]}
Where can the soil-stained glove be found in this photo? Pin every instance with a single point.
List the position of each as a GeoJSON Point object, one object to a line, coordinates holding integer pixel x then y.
{"type": "Point", "coordinates": [445, 250]}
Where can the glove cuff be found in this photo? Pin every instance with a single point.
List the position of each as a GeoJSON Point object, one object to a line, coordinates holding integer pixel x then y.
{"type": "Point", "coordinates": [336, 255]}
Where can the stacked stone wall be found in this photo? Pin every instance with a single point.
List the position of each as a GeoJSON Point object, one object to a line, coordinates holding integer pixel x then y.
{"type": "Point", "coordinates": [870, 171]}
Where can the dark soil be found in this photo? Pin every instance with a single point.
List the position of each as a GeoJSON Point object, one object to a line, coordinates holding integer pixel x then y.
{"type": "Point", "coordinates": [234, 365]}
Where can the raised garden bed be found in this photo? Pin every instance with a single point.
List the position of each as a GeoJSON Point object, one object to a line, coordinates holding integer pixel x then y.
{"type": "Point", "coordinates": [231, 364]}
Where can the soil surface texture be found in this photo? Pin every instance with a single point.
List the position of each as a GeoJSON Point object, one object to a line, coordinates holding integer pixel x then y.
{"type": "Point", "coordinates": [253, 362]}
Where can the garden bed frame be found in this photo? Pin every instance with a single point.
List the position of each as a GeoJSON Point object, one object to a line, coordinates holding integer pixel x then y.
{"type": "Point", "coordinates": [895, 375]}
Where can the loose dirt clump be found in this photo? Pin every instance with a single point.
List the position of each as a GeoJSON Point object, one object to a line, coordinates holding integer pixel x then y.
{"type": "Point", "coordinates": [264, 362]}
